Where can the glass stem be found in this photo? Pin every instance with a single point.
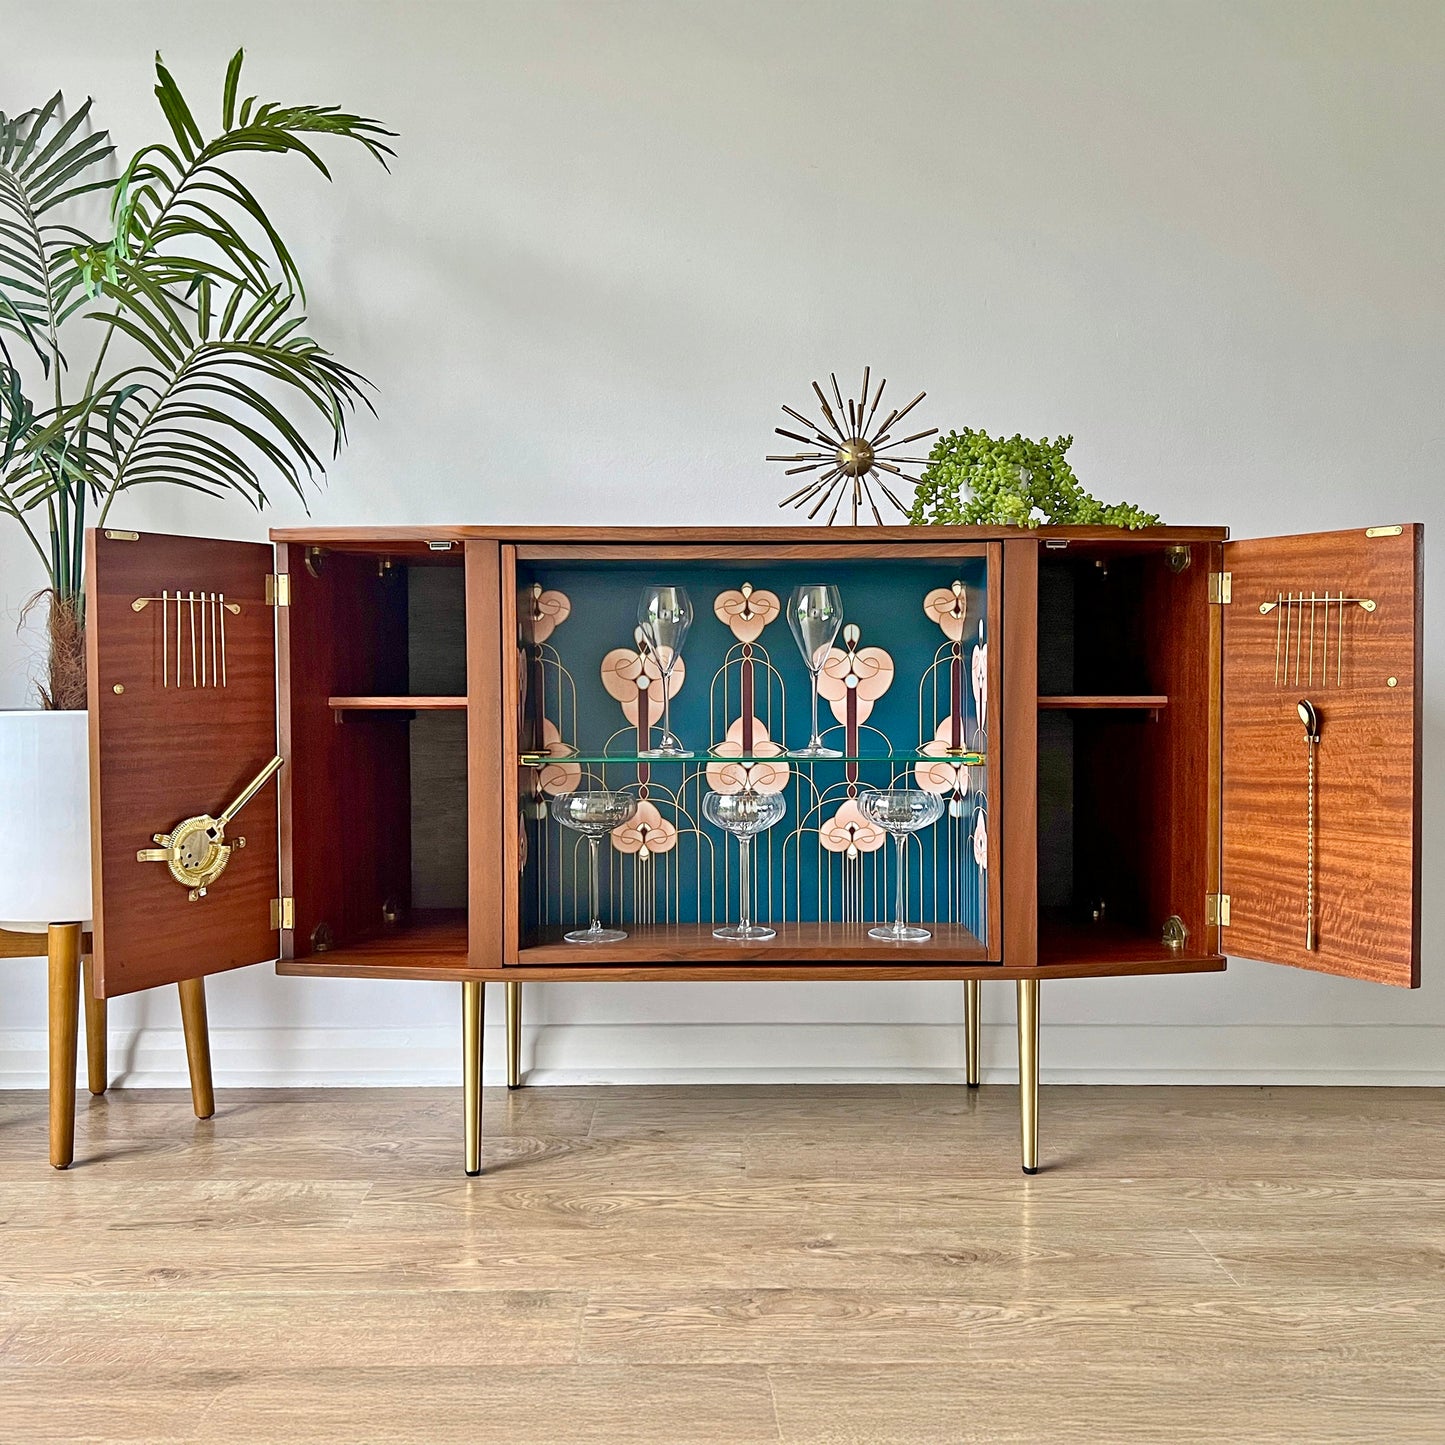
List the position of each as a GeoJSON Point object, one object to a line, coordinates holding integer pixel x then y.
{"type": "Point", "coordinates": [898, 924]}
{"type": "Point", "coordinates": [817, 741]}
{"type": "Point", "coordinates": [666, 708]}
{"type": "Point", "coordinates": [745, 905]}
{"type": "Point", "coordinates": [596, 912]}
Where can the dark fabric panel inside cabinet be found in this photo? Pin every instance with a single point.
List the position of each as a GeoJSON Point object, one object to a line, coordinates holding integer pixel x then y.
{"type": "Point", "coordinates": [439, 810]}
{"type": "Point", "coordinates": [437, 665]}
{"type": "Point", "coordinates": [436, 631]}
{"type": "Point", "coordinates": [1056, 631]}
{"type": "Point", "coordinates": [1056, 810]}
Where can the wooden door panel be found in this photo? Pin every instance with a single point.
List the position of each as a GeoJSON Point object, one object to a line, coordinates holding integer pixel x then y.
{"type": "Point", "coordinates": [177, 728]}
{"type": "Point", "coordinates": [1366, 689]}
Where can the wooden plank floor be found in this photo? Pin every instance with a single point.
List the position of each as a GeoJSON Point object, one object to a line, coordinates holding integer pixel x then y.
{"type": "Point", "coordinates": [835, 1266]}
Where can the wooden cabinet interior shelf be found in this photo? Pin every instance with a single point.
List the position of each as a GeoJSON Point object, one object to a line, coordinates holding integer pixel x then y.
{"type": "Point", "coordinates": [396, 704]}
{"type": "Point", "coordinates": [1118, 702]}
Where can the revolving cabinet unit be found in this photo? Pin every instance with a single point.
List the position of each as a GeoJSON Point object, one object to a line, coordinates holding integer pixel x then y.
{"type": "Point", "coordinates": [1149, 749]}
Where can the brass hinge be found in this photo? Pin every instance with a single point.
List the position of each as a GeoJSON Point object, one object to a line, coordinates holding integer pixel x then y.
{"type": "Point", "coordinates": [278, 589]}
{"type": "Point", "coordinates": [1216, 910]}
{"type": "Point", "coordinates": [283, 913]}
{"type": "Point", "coordinates": [1221, 587]}
{"type": "Point", "coordinates": [1383, 531]}
{"type": "Point", "coordinates": [122, 536]}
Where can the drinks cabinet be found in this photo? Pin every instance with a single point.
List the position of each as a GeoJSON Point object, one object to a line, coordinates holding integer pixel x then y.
{"type": "Point", "coordinates": [344, 750]}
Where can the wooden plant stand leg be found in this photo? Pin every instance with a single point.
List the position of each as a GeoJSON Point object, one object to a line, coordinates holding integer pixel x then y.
{"type": "Point", "coordinates": [198, 1045]}
{"type": "Point", "coordinates": [95, 1021]}
{"type": "Point", "coordinates": [514, 1035]}
{"type": "Point", "coordinates": [1028, 1012]}
{"type": "Point", "coordinates": [972, 988]}
{"type": "Point", "coordinates": [63, 947]}
{"type": "Point", "coordinates": [473, 1012]}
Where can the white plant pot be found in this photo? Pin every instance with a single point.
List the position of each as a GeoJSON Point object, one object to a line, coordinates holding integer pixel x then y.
{"type": "Point", "coordinates": [44, 820]}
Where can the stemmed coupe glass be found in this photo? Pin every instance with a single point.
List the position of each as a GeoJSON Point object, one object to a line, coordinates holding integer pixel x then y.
{"type": "Point", "coordinates": [744, 815]}
{"type": "Point", "coordinates": [594, 814]}
{"type": "Point", "coordinates": [901, 811]}
{"type": "Point", "coordinates": [663, 617]}
{"type": "Point", "coordinates": [815, 613]}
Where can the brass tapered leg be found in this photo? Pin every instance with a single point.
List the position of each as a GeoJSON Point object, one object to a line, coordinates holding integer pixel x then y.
{"type": "Point", "coordinates": [514, 1035]}
{"type": "Point", "coordinates": [198, 1045]}
{"type": "Point", "coordinates": [972, 988]}
{"type": "Point", "coordinates": [1028, 1006]}
{"type": "Point", "coordinates": [95, 1011]}
{"type": "Point", "coordinates": [473, 1001]}
{"type": "Point", "coordinates": [63, 948]}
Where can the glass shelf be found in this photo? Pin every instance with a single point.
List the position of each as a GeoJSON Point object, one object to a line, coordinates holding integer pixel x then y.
{"type": "Point", "coordinates": [703, 759]}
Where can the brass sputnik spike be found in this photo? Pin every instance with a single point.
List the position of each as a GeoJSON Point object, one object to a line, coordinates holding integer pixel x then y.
{"type": "Point", "coordinates": [804, 492]}
{"type": "Point", "coordinates": [900, 415]}
{"type": "Point", "coordinates": [916, 437]}
{"type": "Point", "coordinates": [798, 416]}
{"type": "Point", "coordinates": [884, 488]}
{"type": "Point", "coordinates": [837, 394]}
{"type": "Point", "coordinates": [793, 471]}
{"type": "Point", "coordinates": [828, 412]}
{"type": "Point", "coordinates": [833, 486]}
{"type": "Point", "coordinates": [794, 437]}
{"type": "Point", "coordinates": [877, 397]}
{"type": "Point", "coordinates": [799, 457]}
{"type": "Point", "coordinates": [863, 398]}
{"type": "Point", "coordinates": [877, 516]}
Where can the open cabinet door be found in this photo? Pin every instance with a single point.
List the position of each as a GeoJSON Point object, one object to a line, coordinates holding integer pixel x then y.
{"type": "Point", "coordinates": [181, 649]}
{"type": "Point", "coordinates": [1330, 622]}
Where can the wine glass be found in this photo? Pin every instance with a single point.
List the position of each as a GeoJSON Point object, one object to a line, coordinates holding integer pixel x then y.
{"type": "Point", "coordinates": [901, 811]}
{"type": "Point", "coordinates": [815, 613]}
{"type": "Point", "coordinates": [743, 815]}
{"type": "Point", "coordinates": [663, 618]}
{"type": "Point", "coordinates": [594, 814]}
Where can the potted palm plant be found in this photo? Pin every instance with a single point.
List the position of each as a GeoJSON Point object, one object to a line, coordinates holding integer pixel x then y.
{"type": "Point", "coordinates": [166, 344]}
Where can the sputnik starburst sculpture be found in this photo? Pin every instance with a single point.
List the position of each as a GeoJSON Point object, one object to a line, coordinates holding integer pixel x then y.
{"type": "Point", "coordinates": [851, 452]}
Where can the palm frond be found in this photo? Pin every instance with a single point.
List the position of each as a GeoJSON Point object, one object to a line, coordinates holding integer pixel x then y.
{"type": "Point", "coordinates": [45, 162]}
{"type": "Point", "coordinates": [206, 408]}
{"type": "Point", "coordinates": [183, 197]}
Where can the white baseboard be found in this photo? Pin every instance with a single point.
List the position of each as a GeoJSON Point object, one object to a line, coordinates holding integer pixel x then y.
{"type": "Point", "coordinates": [655, 1053]}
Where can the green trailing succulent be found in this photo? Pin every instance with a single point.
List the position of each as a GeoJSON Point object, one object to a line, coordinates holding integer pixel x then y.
{"type": "Point", "coordinates": [975, 479]}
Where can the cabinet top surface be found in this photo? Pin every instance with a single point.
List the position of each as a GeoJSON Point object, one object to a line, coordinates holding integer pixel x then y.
{"type": "Point", "coordinates": [790, 536]}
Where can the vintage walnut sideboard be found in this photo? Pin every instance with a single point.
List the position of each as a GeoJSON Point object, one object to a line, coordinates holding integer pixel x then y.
{"type": "Point", "coordinates": [1154, 748]}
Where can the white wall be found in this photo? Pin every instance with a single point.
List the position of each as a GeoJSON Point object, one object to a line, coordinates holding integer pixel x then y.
{"type": "Point", "coordinates": [1206, 238]}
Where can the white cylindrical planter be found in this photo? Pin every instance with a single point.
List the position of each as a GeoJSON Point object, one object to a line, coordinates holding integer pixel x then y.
{"type": "Point", "coordinates": [44, 820]}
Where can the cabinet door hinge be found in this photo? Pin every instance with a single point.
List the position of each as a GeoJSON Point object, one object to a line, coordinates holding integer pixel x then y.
{"type": "Point", "coordinates": [1216, 910]}
{"type": "Point", "coordinates": [278, 589]}
{"type": "Point", "coordinates": [1221, 587]}
{"type": "Point", "coordinates": [283, 913]}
